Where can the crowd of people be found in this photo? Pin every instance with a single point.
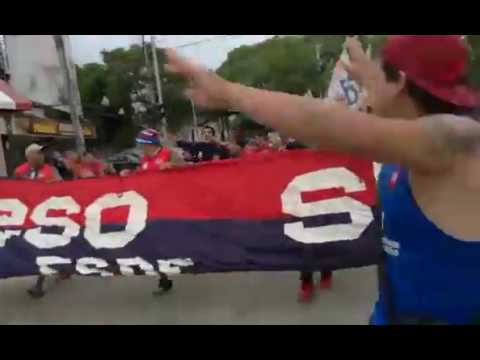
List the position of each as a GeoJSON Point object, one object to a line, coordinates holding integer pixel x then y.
{"type": "Point", "coordinates": [49, 165]}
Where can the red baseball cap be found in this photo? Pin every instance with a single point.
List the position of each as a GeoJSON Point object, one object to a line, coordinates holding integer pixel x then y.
{"type": "Point", "coordinates": [437, 64]}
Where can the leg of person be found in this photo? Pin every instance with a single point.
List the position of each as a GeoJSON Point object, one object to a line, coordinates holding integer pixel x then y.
{"type": "Point", "coordinates": [64, 276]}
{"type": "Point", "coordinates": [164, 284]}
{"type": "Point", "coordinates": [37, 291]}
{"type": "Point", "coordinates": [326, 280]}
{"type": "Point", "coordinates": [305, 293]}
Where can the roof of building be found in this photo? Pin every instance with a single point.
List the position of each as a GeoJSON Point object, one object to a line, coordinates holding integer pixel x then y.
{"type": "Point", "coordinates": [11, 100]}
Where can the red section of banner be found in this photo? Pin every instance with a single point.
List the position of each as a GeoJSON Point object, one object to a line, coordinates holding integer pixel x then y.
{"type": "Point", "coordinates": [232, 189]}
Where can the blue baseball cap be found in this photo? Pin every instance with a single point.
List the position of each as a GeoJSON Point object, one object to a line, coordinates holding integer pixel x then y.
{"type": "Point", "coordinates": [148, 136]}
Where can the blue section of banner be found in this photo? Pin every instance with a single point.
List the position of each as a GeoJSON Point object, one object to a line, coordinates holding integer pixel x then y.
{"type": "Point", "coordinates": [212, 246]}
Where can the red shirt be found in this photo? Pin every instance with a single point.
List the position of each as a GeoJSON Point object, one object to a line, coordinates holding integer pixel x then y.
{"type": "Point", "coordinates": [87, 169]}
{"type": "Point", "coordinates": [157, 161]}
{"type": "Point", "coordinates": [249, 151]}
{"type": "Point", "coordinates": [46, 173]}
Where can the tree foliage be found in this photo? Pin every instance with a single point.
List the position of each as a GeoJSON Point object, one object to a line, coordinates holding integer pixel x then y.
{"type": "Point", "coordinates": [126, 82]}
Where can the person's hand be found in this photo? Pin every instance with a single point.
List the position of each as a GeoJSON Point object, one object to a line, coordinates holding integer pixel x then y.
{"type": "Point", "coordinates": [207, 89]}
{"type": "Point", "coordinates": [110, 170]}
{"type": "Point", "coordinates": [125, 172]}
{"type": "Point", "coordinates": [359, 67]}
{"type": "Point", "coordinates": [165, 166]}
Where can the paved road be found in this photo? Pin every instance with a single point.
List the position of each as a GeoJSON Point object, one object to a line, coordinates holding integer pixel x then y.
{"type": "Point", "coordinates": [250, 298]}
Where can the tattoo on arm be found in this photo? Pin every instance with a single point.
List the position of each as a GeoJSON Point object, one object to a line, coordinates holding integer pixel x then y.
{"type": "Point", "coordinates": [451, 135]}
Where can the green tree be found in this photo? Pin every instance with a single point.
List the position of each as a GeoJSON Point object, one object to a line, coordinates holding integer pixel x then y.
{"type": "Point", "coordinates": [92, 82]}
{"type": "Point", "coordinates": [283, 63]}
{"type": "Point", "coordinates": [124, 80]}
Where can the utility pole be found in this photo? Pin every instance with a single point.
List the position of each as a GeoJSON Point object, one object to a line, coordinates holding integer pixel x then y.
{"type": "Point", "coordinates": [3, 58]}
{"type": "Point", "coordinates": [318, 47]}
{"type": "Point", "coordinates": [72, 91]}
{"type": "Point", "coordinates": [149, 88]}
{"type": "Point", "coordinates": [145, 52]}
{"type": "Point", "coordinates": [158, 82]}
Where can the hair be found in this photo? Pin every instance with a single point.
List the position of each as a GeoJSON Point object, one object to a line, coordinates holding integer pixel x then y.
{"type": "Point", "coordinates": [429, 103]}
{"type": "Point", "coordinates": [210, 128]}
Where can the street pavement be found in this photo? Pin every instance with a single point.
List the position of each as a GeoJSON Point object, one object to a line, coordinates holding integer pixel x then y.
{"type": "Point", "coordinates": [245, 298]}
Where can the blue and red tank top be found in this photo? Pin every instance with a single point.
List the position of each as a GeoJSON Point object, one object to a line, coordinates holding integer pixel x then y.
{"type": "Point", "coordinates": [430, 275]}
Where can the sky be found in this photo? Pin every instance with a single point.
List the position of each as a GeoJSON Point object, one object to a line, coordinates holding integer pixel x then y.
{"type": "Point", "coordinates": [212, 53]}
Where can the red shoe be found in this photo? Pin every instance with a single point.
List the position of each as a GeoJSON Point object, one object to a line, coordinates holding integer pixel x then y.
{"type": "Point", "coordinates": [305, 294]}
{"type": "Point", "coordinates": [326, 281]}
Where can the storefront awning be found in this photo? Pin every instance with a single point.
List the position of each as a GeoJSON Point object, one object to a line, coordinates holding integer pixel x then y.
{"type": "Point", "coordinates": [11, 100]}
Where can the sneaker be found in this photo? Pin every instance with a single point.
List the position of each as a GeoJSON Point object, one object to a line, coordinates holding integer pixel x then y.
{"type": "Point", "coordinates": [326, 281]}
{"type": "Point", "coordinates": [36, 293]}
{"type": "Point", "coordinates": [305, 294]}
{"type": "Point", "coordinates": [164, 286]}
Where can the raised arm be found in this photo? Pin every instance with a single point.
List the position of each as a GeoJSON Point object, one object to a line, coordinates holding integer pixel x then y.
{"type": "Point", "coordinates": [422, 145]}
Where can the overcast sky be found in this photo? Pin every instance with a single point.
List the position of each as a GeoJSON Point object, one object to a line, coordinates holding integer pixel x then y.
{"type": "Point", "coordinates": [87, 48]}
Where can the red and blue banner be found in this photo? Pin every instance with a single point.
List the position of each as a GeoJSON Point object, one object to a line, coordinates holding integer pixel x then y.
{"type": "Point", "coordinates": [285, 211]}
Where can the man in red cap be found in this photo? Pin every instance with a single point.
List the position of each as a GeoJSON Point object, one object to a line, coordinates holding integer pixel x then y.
{"type": "Point", "coordinates": [419, 126]}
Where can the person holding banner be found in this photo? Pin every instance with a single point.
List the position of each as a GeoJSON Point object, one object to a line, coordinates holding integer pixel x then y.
{"type": "Point", "coordinates": [36, 168]}
{"type": "Point", "coordinates": [85, 166]}
{"type": "Point", "coordinates": [207, 150]}
{"type": "Point", "coordinates": [156, 158]}
{"type": "Point", "coordinates": [421, 127]}
{"type": "Point", "coordinates": [307, 282]}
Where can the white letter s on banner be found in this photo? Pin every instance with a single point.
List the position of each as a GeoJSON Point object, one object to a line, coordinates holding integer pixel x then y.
{"type": "Point", "coordinates": [39, 217]}
{"type": "Point", "coordinates": [360, 213]}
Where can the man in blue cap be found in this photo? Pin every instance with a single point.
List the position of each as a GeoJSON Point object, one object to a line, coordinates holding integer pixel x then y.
{"type": "Point", "coordinates": [155, 158]}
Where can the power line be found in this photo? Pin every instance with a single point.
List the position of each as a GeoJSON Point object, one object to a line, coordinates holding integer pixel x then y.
{"type": "Point", "coordinates": [201, 41]}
